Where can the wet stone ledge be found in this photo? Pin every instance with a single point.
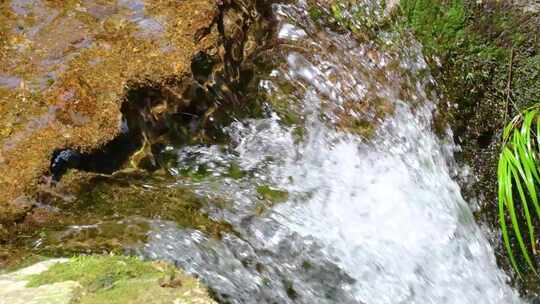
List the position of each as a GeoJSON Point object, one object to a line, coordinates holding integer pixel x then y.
{"type": "Point", "coordinates": [96, 85]}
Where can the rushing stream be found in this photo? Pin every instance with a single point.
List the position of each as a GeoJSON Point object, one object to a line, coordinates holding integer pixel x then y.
{"type": "Point", "coordinates": [372, 219]}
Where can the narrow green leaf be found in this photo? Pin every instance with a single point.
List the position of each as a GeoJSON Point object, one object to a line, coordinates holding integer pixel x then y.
{"type": "Point", "coordinates": [529, 170]}
{"type": "Point", "coordinates": [507, 130]}
{"type": "Point", "coordinates": [527, 123]}
{"type": "Point", "coordinates": [525, 206]}
{"type": "Point", "coordinates": [515, 225]}
{"type": "Point", "coordinates": [538, 133]}
{"type": "Point", "coordinates": [502, 221]}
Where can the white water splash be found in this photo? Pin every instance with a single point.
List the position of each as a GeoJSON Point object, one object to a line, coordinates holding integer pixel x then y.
{"type": "Point", "coordinates": [393, 218]}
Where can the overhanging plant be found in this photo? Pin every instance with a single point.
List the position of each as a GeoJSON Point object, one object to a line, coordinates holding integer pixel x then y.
{"type": "Point", "coordinates": [519, 184]}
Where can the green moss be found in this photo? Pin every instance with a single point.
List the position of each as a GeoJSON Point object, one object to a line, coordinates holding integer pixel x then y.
{"type": "Point", "coordinates": [103, 236]}
{"type": "Point", "coordinates": [488, 53]}
{"type": "Point", "coordinates": [197, 173]}
{"type": "Point", "coordinates": [291, 292]}
{"type": "Point", "coordinates": [315, 13]}
{"type": "Point", "coordinates": [299, 132]}
{"type": "Point", "coordinates": [285, 103]}
{"type": "Point", "coordinates": [121, 280]}
{"type": "Point", "coordinates": [117, 211]}
{"type": "Point", "coordinates": [439, 25]}
{"type": "Point", "coordinates": [95, 272]}
{"type": "Point", "coordinates": [337, 12]}
{"type": "Point", "coordinates": [154, 199]}
{"type": "Point", "coordinates": [364, 20]}
{"type": "Point", "coordinates": [235, 171]}
{"type": "Point", "coordinates": [272, 195]}
{"type": "Point", "coordinates": [476, 43]}
{"type": "Point", "coordinates": [527, 88]}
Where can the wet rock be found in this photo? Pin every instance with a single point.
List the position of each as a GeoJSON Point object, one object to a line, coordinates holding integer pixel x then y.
{"type": "Point", "coordinates": [66, 70]}
{"type": "Point", "coordinates": [112, 214]}
{"type": "Point", "coordinates": [356, 106]}
{"type": "Point", "coordinates": [72, 64]}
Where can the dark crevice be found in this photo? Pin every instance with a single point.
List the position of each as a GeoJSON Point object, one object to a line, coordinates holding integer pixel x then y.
{"type": "Point", "coordinates": [145, 119]}
{"type": "Point", "coordinates": [201, 66]}
{"type": "Point", "coordinates": [485, 139]}
{"type": "Point", "coordinates": [136, 119]}
{"type": "Point", "coordinates": [106, 160]}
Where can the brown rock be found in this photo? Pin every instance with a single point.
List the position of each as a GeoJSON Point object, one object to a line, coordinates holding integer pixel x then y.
{"type": "Point", "coordinates": [64, 70]}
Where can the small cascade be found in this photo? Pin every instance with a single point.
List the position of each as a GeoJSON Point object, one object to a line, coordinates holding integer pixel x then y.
{"type": "Point", "coordinates": [342, 193]}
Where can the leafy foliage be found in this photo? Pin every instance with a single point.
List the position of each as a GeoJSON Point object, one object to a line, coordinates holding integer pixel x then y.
{"type": "Point", "coordinates": [519, 178]}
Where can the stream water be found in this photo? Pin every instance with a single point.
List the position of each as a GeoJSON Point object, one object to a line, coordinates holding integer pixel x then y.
{"type": "Point", "coordinates": [372, 219]}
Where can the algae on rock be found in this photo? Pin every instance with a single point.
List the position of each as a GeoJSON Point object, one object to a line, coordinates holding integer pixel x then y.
{"type": "Point", "coordinates": [101, 279]}
{"type": "Point", "coordinates": [115, 213]}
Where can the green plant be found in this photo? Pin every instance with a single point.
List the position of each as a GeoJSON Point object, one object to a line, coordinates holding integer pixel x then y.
{"type": "Point", "coordinates": [518, 176]}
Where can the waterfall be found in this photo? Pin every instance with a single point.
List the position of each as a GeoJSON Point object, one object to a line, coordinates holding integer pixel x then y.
{"type": "Point", "coordinates": [371, 216]}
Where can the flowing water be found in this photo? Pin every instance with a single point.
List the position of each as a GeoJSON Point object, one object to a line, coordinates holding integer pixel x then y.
{"type": "Point", "coordinates": [358, 218]}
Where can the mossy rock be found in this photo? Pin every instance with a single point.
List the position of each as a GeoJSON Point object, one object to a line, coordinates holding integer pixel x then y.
{"type": "Point", "coordinates": [147, 196]}
{"type": "Point", "coordinates": [102, 279]}
{"type": "Point", "coordinates": [115, 213]}
{"type": "Point", "coordinates": [272, 195]}
{"type": "Point", "coordinates": [484, 56]}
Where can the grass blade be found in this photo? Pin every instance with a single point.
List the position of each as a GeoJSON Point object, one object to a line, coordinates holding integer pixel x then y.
{"type": "Point", "coordinates": [514, 220]}
{"type": "Point", "coordinates": [501, 173]}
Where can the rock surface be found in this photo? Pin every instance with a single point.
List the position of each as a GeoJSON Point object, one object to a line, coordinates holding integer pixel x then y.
{"type": "Point", "coordinates": [13, 288]}
{"type": "Point", "coordinates": [129, 281]}
{"type": "Point", "coordinates": [65, 68]}
{"type": "Point", "coordinates": [68, 69]}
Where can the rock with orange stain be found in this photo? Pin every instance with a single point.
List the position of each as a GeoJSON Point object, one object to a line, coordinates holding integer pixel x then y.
{"type": "Point", "coordinates": [65, 67]}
